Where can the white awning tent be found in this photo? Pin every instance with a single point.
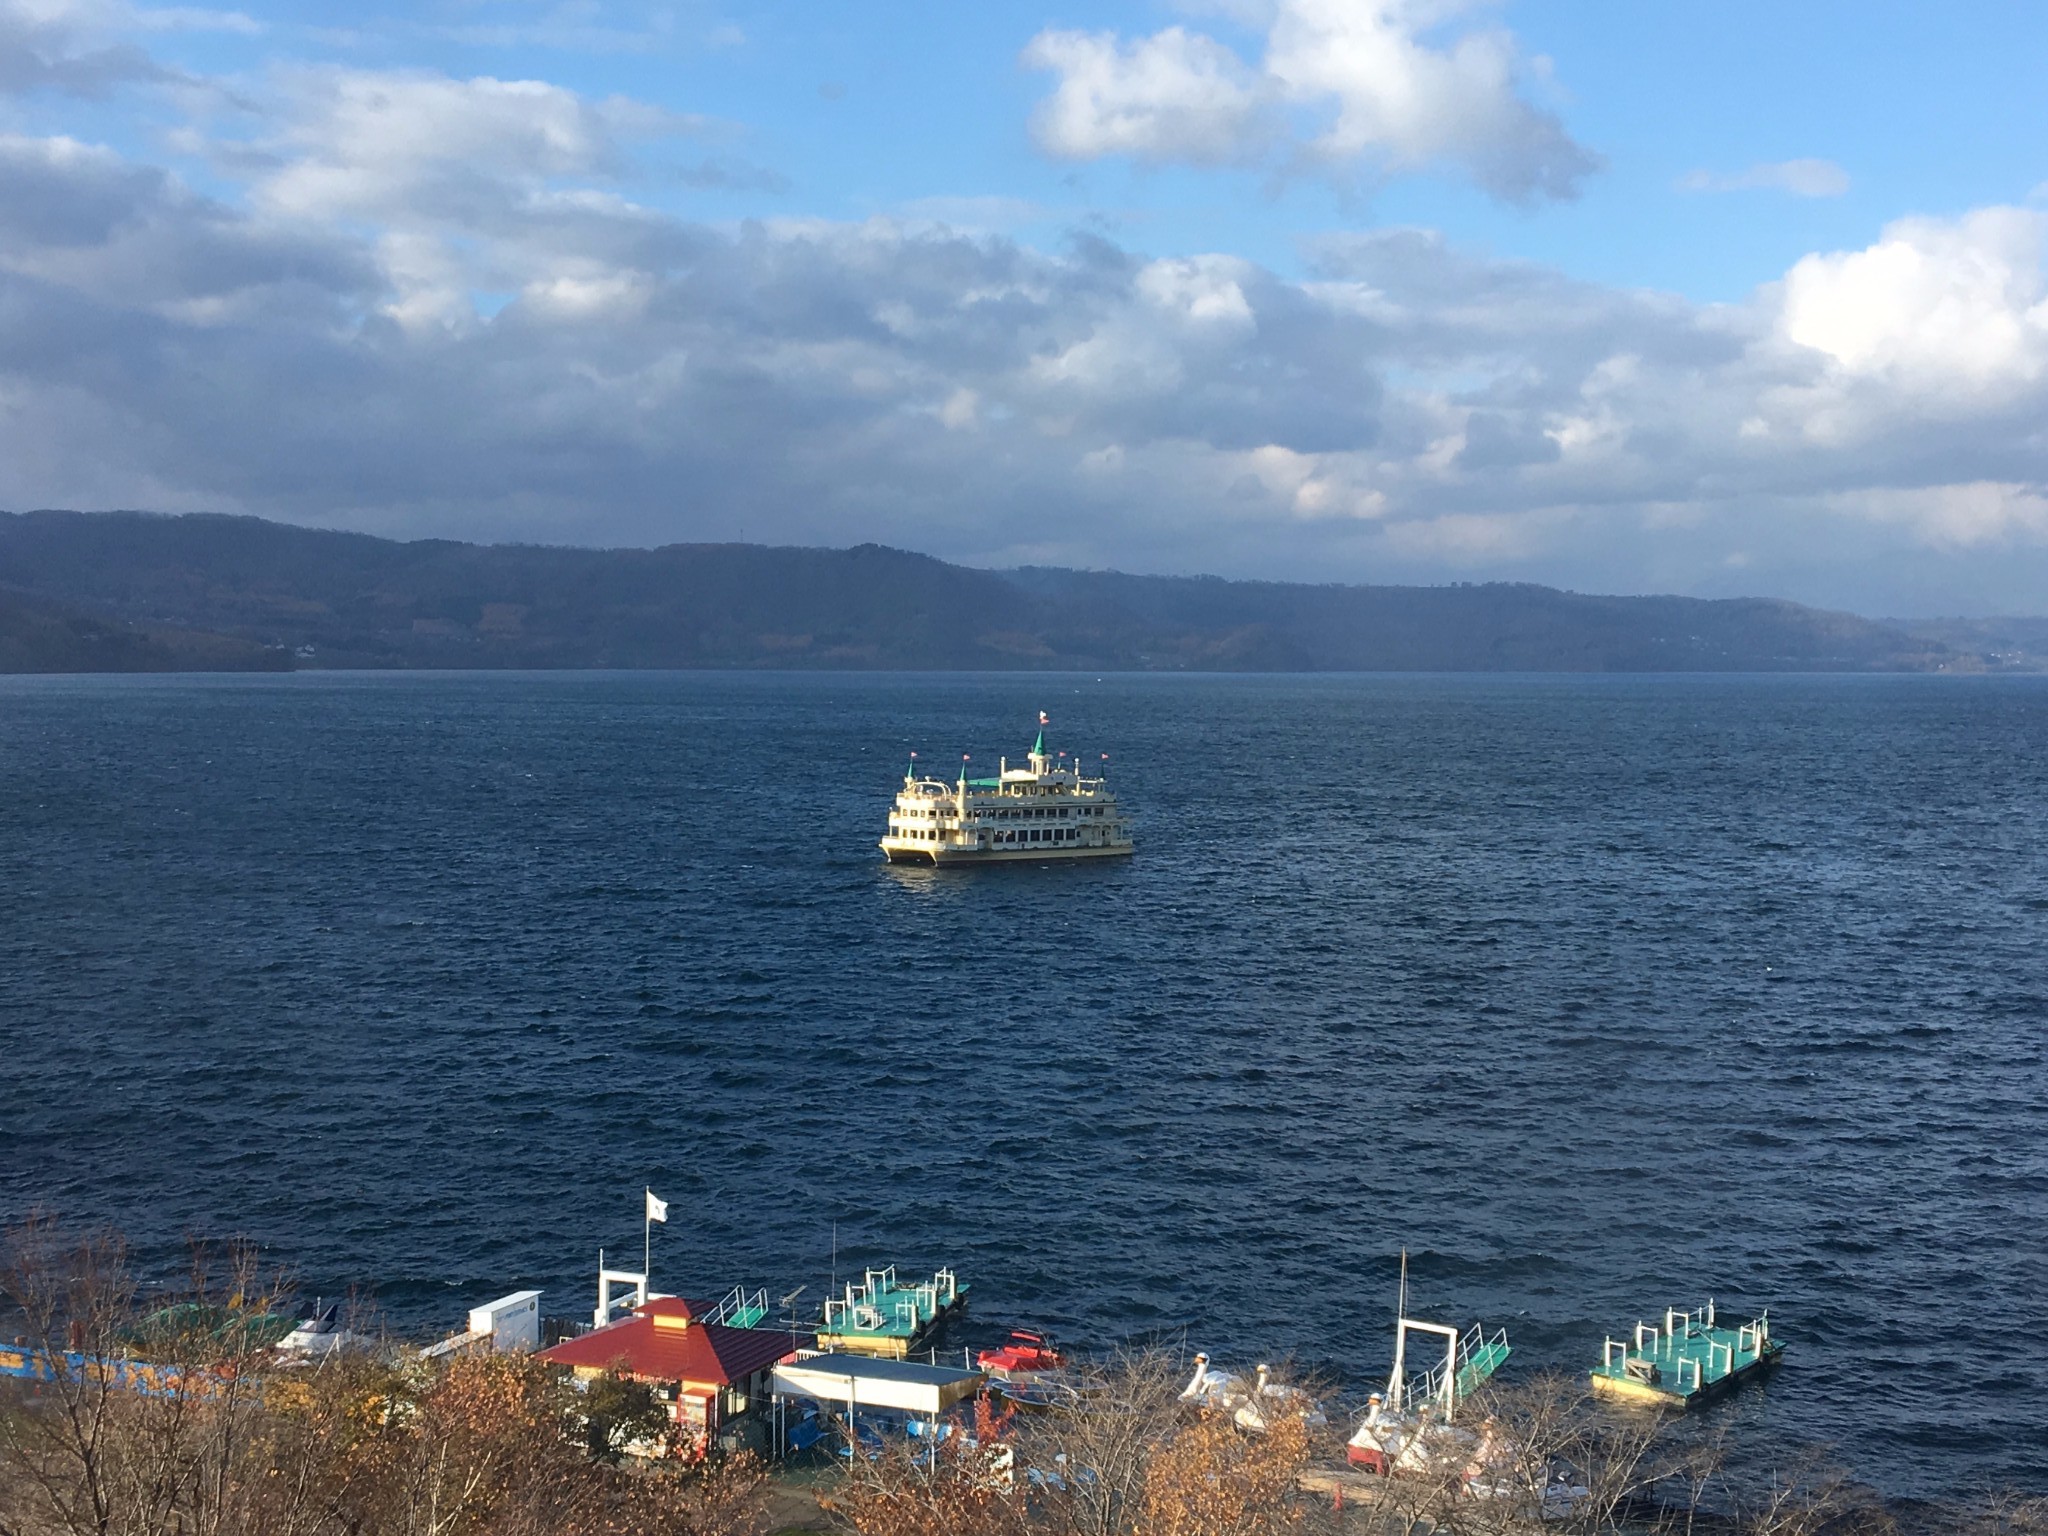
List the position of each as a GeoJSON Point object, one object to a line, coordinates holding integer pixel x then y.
{"type": "Point", "coordinates": [857, 1382]}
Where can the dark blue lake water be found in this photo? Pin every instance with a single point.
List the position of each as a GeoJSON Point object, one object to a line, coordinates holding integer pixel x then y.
{"type": "Point", "coordinates": [1598, 995]}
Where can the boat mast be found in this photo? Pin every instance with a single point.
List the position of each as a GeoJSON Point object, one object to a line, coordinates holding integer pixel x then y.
{"type": "Point", "coordinates": [1394, 1382]}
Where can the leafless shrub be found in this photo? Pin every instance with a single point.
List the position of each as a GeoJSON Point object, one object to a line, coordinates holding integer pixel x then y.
{"type": "Point", "coordinates": [1809, 1495]}
{"type": "Point", "coordinates": [177, 1420]}
{"type": "Point", "coordinates": [1093, 1451]}
{"type": "Point", "coordinates": [1124, 1457]}
{"type": "Point", "coordinates": [2011, 1514]}
{"type": "Point", "coordinates": [144, 1414]}
{"type": "Point", "coordinates": [961, 1486]}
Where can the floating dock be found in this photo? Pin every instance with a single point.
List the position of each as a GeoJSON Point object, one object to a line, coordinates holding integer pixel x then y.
{"type": "Point", "coordinates": [1690, 1359]}
{"type": "Point", "coordinates": [889, 1320]}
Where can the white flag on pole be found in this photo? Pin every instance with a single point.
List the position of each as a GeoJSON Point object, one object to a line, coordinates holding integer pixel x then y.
{"type": "Point", "coordinates": [657, 1210]}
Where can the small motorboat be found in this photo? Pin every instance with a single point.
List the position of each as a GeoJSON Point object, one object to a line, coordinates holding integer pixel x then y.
{"type": "Point", "coordinates": [317, 1336]}
{"type": "Point", "coordinates": [1038, 1389]}
{"type": "Point", "coordinates": [1023, 1354]}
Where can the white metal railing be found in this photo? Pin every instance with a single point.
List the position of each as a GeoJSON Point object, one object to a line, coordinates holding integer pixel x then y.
{"type": "Point", "coordinates": [740, 1305]}
{"type": "Point", "coordinates": [1752, 1340]}
{"type": "Point", "coordinates": [912, 1306]}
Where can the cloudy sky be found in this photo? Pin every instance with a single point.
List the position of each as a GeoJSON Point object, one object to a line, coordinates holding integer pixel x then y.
{"type": "Point", "coordinates": [1687, 296]}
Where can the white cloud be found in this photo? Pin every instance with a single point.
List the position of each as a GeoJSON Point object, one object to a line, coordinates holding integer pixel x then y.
{"type": "Point", "coordinates": [1935, 305]}
{"type": "Point", "coordinates": [1469, 538]}
{"type": "Point", "coordinates": [75, 47]}
{"type": "Point", "coordinates": [432, 308]}
{"type": "Point", "coordinates": [991, 214]}
{"type": "Point", "coordinates": [1342, 84]}
{"type": "Point", "coordinates": [1397, 96]}
{"type": "Point", "coordinates": [1801, 178]}
{"type": "Point", "coordinates": [1177, 95]}
{"type": "Point", "coordinates": [961, 409]}
{"type": "Point", "coordinates": [617, 295]}
{"type": "Point", "coordinates": [470, 184]}
{"type": "Point", "coordinates": [185, 18]}
{"type": "Point", "coordinates": [1203, 290]}
{"type": "Point", "coordinates": [1952, 517]}
{"type": "Point", "coordinates": [84, 225]}
{"type": "Point", "coordinates": [366, 140]}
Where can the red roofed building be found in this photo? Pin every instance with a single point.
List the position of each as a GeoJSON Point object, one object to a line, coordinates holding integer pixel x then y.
{"type": "Point", "coordinates": [709, 1373]}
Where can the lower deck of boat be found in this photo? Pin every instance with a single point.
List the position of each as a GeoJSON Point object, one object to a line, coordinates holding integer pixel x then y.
{"type": "Point", "coordinates": [1039, 854]}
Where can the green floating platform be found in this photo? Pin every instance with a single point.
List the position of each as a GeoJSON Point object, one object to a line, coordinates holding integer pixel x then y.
{"type": "Point", "coordinates": [884, 1317]}
{"type": "Point", "coordinates": [1690, 1359]}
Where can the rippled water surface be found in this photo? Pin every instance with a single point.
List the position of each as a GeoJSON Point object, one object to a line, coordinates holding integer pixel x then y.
{"type": "Point", "coordinates": [1596, 994]}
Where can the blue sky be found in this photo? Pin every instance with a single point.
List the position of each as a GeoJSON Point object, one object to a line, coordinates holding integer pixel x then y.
{"type": "Point", "coordinates": [1624, 297]}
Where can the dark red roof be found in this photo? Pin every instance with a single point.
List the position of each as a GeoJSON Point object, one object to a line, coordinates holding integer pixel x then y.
{"type": "Point", "coordinates": [664, 1341]}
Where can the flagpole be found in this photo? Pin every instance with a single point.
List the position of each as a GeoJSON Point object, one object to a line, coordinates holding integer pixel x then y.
{"type": "Point", "coordinates": [646, 1234]}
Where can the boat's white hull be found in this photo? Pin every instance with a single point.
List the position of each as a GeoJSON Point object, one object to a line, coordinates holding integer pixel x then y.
{"type": "Point", "coordinates": [1039, 853]}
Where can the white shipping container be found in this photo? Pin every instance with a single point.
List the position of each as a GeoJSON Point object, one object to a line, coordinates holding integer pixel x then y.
{"type": "Point", "coordinates": [513, 1322]}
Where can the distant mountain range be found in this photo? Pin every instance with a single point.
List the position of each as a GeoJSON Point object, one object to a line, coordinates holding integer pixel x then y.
{"type": "Point", "coordinates": [131, 591]}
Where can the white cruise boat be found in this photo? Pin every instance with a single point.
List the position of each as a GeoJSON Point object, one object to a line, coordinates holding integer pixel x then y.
{"type": "Point", "coordinates": [1047, 810]}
